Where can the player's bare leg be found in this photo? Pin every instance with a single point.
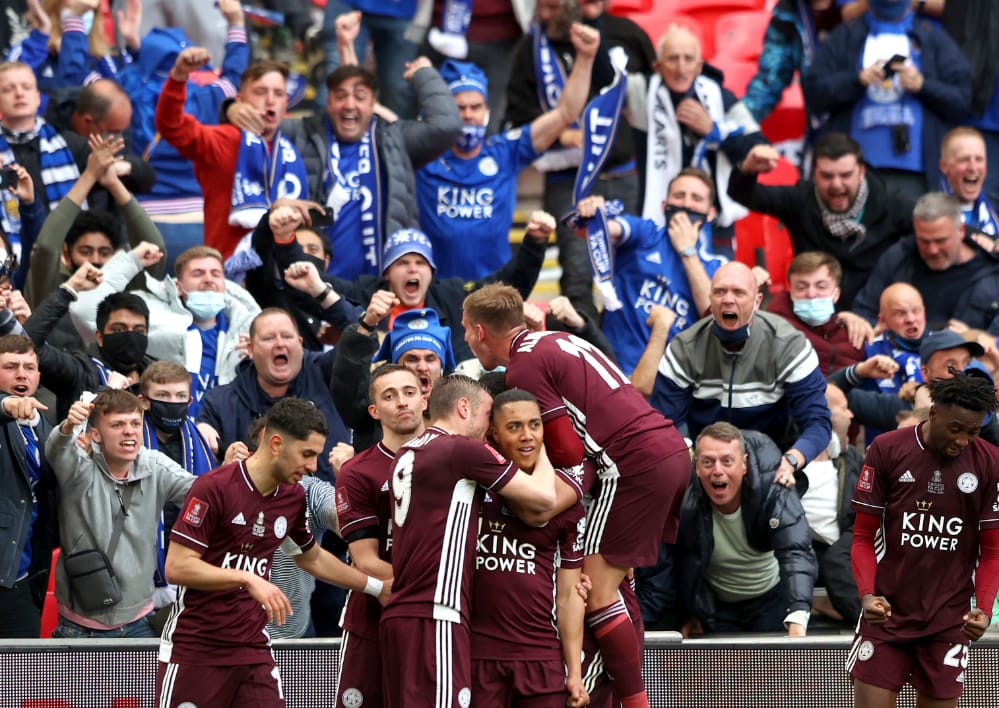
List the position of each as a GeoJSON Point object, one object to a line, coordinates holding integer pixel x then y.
{"type": "Point", "coordinates": [867, 696]}
{"type": "Point", "coordinates": [615, 634]}
{"type": "Point", "coordinates": [927, 702]}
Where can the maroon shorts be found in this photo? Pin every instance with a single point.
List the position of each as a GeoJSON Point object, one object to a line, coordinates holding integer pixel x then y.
{"type": "Point", "coordinates": [249, 685]}
{"type": "Point", "coordinates": [935, 669]}
{"type": "Point", "coordinates": [519, 684]}
{"type": "Point", "coordinates": [359, 684]}
{"type": "Point", "coordinates": [637, 508]}
{"type": "Point", "coordinates": [426, 663]}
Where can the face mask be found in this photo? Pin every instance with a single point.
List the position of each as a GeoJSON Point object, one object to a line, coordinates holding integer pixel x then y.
{"type": "Point", "coordinates": [123, 351]}
{"type": "Point", "coordinates": [814, 312]}
{"type": "Point", "coordinates": [87, 17]}
{"type": "Point", "coordinates": [471, 137]}
{"type": "Point", "coordinates": [319, 263]}
{"type": "Point", "coordinates": [695, 216]}
{"type": "Point", "coordinates": [205, 304]}
{"type": "Point", "coordinates": [834, 449]}
{"type": "Point", "coordinates": [906, 343]}
{"type": "Point", "coordinates": [167, 416]}
{"type": "Point", "coordinates": [730, 336]}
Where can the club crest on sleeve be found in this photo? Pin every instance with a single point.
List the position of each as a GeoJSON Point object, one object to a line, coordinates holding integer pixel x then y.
{"type": "Point", "coordinates": [195, 512]}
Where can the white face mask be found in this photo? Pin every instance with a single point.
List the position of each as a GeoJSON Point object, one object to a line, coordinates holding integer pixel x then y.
{"type": "Point", "coordinates": [834, 449]}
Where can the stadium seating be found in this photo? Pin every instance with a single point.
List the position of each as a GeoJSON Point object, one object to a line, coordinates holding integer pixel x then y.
{"type": "Point", "coordinates": [626, 7]}
{"type": "Point", "coordinates": [763, 240]}
{"type": "Point", "coordinates": [656, 23]}
{"type": "Point", "coordinates": [738, 73]}
{"type": "Point", "coordinates": [787, 122]}
{"type": "Point", "coordinates": [739, 35]}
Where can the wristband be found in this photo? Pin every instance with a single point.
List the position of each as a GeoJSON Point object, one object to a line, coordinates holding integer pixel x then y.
{"type": "Point", "coordinates": [69, 289]}
{"type": "Point", "coordinates": [326, 291]}
{"type": "Point", "coordinates": [373, 587]}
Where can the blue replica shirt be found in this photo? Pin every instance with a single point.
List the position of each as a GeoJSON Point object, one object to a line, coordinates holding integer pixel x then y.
{"type": "Point", "coordinates": [207, 377]}
{"type": "Point", "coordinates": [466, 206]}
{"type": "Point", "coordinates": [348, 255]}
{"type": "Point", "coordinates": [647, 272]}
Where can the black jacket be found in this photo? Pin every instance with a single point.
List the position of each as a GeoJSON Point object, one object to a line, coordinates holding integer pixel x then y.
{"type": "Point", "coordinates": [16, 504]}
{"type": "Point", "coordinates": [774, 521]}
{"type": "Point", "coordinates": [887, 217]}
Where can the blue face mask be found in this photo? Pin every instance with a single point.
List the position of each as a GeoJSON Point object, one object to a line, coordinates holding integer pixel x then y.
{"type": "Point", "coordinates": [730, 337]}
{"type": "Point", "coordinates": [906, 343]}
{"type": "Point", "coordinates": [472, 136]}
{"type": "Point", "coordinates": [814, 312]}
{"type": "Point", "coordinates": [205, 304]}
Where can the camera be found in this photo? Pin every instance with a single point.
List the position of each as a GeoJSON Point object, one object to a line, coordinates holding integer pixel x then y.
{"type": "Point", "coordinates": [8, 178]}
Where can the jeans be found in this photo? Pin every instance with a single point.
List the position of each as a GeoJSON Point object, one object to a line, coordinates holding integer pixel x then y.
{"type": "Point", "coordinates": [19, 616]}
{"type": "Point", "coordinates": [765, 613]}
{"type": "Point", "coordinates": [393, 50]}
{"type": "Point", "coordinates": [139, 629]}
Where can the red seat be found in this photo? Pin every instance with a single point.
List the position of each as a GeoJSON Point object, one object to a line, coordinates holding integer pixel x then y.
{"type": "Point", "coordinates": [50, 612]}
{"type": "Point", "coordinates": [738, 73]}
{"type": "Point", "coordinates": [627, 7]}
{"type": "Point", "coordinates": [784, 175]}
{"type": "Point", "coordinates": [740, 34]}
{"type": "Point", "coordinates": [707, 13]}
{"type": "Point", "coordinates": [787, 121]}
{"type": "Point", "coordinates": [762, 240]}
{"type": "Point", "coordinates": [656, 24]}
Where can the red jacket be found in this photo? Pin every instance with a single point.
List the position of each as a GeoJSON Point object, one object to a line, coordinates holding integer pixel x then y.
{"type": "Point", "coordinates": [213, 150]}
{"type": "Point", "coordinates": [830, 340]}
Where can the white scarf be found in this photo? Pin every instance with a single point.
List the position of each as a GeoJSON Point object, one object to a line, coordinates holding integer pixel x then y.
{"type": "Point", "coordinates": [665, 147]}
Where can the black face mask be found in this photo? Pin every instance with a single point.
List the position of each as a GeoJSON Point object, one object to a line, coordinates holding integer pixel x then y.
{"type": "Point", "coordinates": [319, 263]}
{"type": "Point", "coordinates": [731, 337]}
{"type": "Point", "coordinates": [167, 416]}
{"type": "Point", "coordinates": [124, 351]}
{"type": "Point", "coordinates": [695, 216]}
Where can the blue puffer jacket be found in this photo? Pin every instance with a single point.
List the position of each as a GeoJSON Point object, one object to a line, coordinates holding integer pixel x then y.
{"type": "Point", "coordinates": [774, 521]}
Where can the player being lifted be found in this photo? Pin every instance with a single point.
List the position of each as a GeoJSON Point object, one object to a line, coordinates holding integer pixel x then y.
{"type": "Point", "coordinates": [928, 501]}
{"type": "Point", "coordinates": [590, 408]}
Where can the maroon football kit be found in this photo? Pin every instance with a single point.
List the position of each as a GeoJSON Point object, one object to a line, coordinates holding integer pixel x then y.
{"type": "Point", "coordinates": [232, 525]}
{"type": "Point", "coordinates": [438, 482]}
{"type": "Point", "coordinates": [927, 549]}
{"type": "Point", "coordinates": [644, 466]}
{"type": "Point", "coordinates": [364, 508]}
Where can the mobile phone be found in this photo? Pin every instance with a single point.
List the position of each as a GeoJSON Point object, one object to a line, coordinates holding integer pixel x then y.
{"type": "Point", "coordinates": [319, 219]}
{"type": "Point", "coordinates": [893, 65]}
{"type": "Point", "coordinates": [8, 178]}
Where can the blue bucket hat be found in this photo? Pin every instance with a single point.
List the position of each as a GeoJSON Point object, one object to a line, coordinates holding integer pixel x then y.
{"type": "Point", "coordinates": [406, 241]}
{"type": "Point", "coordinates": [418, 329]}
{"type": "Point", "coordinates": [464, 76]}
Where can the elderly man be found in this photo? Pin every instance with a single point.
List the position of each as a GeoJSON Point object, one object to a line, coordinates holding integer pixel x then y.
{"type": "Point", "coordinates": [750, 368]}
{"type": "Point", "coordinates": [895, 84]}
{"type": "Point", "coordinates": [694, 122]}
{"type": "Point", "coordinates": [744, 555]}
{"type": "Point", "coordinates": [844, 209]}
{"type": "Point", "coordinates": [940, 263]}
{"type": "Point", "coordinates": [964, 165]}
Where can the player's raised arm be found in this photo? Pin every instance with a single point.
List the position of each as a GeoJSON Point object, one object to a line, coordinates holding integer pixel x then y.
{"type": "Point", "coordinates": [324, 565]}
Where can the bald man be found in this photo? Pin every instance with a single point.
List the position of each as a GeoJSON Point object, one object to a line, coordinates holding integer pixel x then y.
{"type": "Point", "coordinates": [693, 121]}
{"type": "Point", "coordinates": [747, 367]}
{"type": "Point", "coordinates": [964, 164]}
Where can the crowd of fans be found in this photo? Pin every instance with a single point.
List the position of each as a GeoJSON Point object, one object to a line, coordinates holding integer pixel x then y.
{"type": "Point", "coordinates": [170, 231]}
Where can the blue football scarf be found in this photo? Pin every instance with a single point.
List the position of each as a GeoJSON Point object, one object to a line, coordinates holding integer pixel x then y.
{"type": "Point", "coordinates": [550, 75]}
{"type": "Point", "coordinates": [450, 38]}
{"type": "Point", "coordinates": [369, 189]}
{"type": "Point", "coordinates": [601, 118]}
{"type": "Point", "coordinates": [58, 171]}
{"type": "Point", "coordinates": [197, 459]}
{"type": "Point", "coordinates": [263, 174]}
{"type": "Point", "coordinates": [984, 213]}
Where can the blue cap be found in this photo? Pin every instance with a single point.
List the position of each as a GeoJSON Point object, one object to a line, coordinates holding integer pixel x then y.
{"type": "Point", "coordinates": [418, 329]}
{"type": "Point", "coordinates": [946, 339]}
{"type": "Point", "coordinates": [406, 241]}
{"type": "Point", "coordinates": [464, 76]}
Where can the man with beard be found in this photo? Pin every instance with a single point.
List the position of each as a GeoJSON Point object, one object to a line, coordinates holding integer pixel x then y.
{"type": "Point", "coordinates": [844, 209]}
{"type": "Point", "coordinates": [364, 506]}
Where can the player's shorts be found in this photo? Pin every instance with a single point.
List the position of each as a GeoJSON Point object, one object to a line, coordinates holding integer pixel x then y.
{"type": "Point", "coordinates": [359, 684]}
{"type": "Point", "coordinates": [256, 685]}
{"type": "Point", "coordinates": [519, 684]}
{"type": "Point", "coordinates": [637, 506]}
{"type": "Point", "coordinates": [426, 663]}
{"type": "Point", "coordinates": [935, 669]}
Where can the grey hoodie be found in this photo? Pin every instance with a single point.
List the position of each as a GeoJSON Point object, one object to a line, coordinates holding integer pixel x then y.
{"type": "Point", "coordinates": [88, 505]}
